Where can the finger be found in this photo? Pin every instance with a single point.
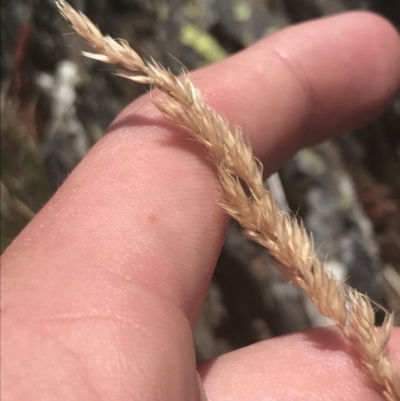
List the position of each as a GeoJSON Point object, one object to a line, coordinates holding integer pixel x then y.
{"type": "Point", "coordinates": [313, 365]}
{"type": "Point", "coordinates": [303, 84]}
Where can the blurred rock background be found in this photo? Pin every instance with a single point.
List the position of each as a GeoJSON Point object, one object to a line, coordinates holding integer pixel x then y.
{"type": "Point", "coordinates": [55, 104]}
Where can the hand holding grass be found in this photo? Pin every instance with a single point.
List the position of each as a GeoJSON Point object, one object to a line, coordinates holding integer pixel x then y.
{"type": "Point", "coordinates": [102, 277]}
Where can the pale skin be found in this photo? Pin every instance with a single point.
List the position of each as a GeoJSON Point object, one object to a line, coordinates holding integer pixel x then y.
{"type": "Point", "coordinates": [101, 291]}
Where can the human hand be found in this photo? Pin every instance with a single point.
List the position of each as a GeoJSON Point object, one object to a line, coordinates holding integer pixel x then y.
{"type": "Point", "coordinates": [101, 291]}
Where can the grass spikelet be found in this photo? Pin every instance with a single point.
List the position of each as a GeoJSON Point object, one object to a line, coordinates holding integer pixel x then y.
{"type": "Point", "coordinates": [246, 200]}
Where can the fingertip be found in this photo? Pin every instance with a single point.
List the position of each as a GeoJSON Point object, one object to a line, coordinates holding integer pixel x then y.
{"type": "Point", "coordinates": [352, 61]}
{"type": "Point", "coordinates": [377, 38]}
{"type": "Point", "coordinates": [375, 46]}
